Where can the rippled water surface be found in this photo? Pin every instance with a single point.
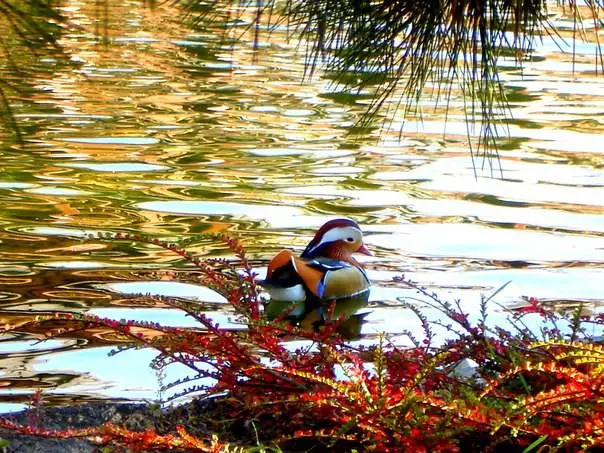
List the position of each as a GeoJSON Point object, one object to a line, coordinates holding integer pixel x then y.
{"type": "Point", "coordinates": [174, 132]}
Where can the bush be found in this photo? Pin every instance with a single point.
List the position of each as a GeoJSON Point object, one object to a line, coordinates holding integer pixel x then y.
{"type": "Point", "coordinates": [524, 391]}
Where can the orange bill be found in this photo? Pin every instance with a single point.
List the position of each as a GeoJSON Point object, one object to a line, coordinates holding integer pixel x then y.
{"type": "Point", "coordinates": [364, 250]}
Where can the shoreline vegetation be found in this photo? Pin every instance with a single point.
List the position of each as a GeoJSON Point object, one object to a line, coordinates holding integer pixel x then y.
{"type": "Point", "coordinates": [479, 388]}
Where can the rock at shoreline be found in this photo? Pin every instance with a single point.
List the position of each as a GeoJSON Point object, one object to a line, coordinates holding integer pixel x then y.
{"type": "Point", "coordinates": [136, 417]}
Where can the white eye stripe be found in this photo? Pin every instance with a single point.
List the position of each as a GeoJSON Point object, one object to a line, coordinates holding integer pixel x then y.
{"type": "Point", "coordinates": [340, 234]}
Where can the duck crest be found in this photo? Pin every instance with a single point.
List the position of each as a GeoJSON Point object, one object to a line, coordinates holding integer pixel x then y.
{"type": "Point", "coordinates": [318, 246]}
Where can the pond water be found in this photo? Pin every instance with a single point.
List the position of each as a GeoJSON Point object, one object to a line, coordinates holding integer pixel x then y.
{"type": "Point", "coordinates": [173, 132]}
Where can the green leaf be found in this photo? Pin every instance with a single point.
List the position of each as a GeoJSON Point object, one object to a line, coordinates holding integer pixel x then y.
{"type": "Point", "coordinates": [535, 444]}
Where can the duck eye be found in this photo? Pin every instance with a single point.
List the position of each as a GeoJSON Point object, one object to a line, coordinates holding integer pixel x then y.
{"type": "Point", "coordinates": [349, 239]}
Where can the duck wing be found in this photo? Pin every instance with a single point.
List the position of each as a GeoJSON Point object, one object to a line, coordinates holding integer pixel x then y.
{"type": "Point", "coordinates": [330, 279]}
{"type": "Point", "coordinates": [281, 277]}
{"type": "Point", "coordinates": [281, 271]}
{"type": "Point", "coordinates": [285, 287]}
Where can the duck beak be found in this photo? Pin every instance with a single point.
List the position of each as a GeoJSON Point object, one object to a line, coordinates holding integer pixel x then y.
{"type": "Point", "coordinates": [364, 250]}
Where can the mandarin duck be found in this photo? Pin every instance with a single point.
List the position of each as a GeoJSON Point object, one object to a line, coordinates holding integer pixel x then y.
{"type": "Point", "coordinates": [302, 288]}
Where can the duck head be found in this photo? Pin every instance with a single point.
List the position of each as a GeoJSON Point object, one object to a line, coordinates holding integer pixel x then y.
{"type": "Point", "coordinates": [337, 239]}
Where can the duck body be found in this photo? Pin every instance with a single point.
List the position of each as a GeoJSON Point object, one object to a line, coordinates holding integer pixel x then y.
{"type": "Point", "coordinates": [303, 288]}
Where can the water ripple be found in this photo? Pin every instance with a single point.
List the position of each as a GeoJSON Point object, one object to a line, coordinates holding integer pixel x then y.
{"type": "Point", "coordinates": [174, 134]}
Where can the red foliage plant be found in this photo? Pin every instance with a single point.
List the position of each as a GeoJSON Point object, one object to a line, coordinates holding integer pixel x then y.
{"type": "Point", "coordinates": [526, 392]}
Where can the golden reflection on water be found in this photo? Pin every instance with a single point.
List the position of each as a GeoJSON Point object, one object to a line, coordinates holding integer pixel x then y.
{"type": "Point", "coordinates": [171, 132]}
